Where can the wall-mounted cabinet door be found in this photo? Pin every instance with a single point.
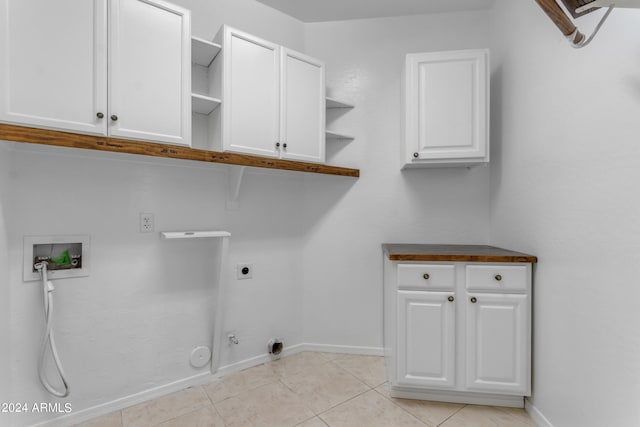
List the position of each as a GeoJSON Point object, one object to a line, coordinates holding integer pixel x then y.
{"type": "Point", "coordinates": [302, 108]}
{"type": "Point", "coordinates": [150, 71]}
{"type": "Point", "coordinates": [53, 64]}
{"type": "Point", "coordinates": [498, 343]}
{"type": "Point", "coordinates": [251, 94]}
{"type": "Point", "coordinates": [447, 108]}
{"type": "Point", "coordinates": [426, 339]}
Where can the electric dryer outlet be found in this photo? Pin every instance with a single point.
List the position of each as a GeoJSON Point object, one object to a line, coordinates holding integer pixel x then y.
{"type": "Point", "coordinates": [244, 271]}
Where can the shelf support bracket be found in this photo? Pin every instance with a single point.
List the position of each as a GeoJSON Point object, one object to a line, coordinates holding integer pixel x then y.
{"type": "Point", "coordinates": [236, 175]}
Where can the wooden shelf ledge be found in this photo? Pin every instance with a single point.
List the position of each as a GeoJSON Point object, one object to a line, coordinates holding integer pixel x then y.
{"type": "Point", "coordinates": [101, 143]}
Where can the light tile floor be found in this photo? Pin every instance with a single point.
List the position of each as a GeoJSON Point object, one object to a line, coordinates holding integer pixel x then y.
{"type": "Point", "coordinates": [307, 390]}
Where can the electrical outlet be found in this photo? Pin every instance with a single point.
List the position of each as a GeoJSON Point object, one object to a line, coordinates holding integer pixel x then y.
{"type": "Point", "coordinates": [244, 271]}
{"type": "Point", "coordinates": [146, 223]}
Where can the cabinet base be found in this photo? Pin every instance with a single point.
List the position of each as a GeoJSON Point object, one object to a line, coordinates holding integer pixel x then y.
{"type": "Point", "coordinates": [458, 397]}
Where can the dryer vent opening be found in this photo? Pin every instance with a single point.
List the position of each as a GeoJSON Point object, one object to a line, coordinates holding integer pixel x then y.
{"type": "Point", "coordinates": [275, 347]}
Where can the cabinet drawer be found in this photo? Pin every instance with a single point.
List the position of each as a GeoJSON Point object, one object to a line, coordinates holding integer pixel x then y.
{"type": "Point", "coordinates": [426, 276]}
{"type": "Point", "coordinates": [505, 278]}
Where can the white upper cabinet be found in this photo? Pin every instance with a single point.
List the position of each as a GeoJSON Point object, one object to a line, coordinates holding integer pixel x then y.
{"type": "Point", "coordinates": [272, 99]}
{"type": "Point", "coordinates": [150, 71]}
{"type": "Point", "coordinates": [251, 94]}
{"type": "Point", "coordinates": [446, 109]}
{"type": "Point", "coordinates": [57, 72]}
{"type": "Point", "coordinates": [53, 64]}
{"type": "Point", "coordinates": [302, 107]}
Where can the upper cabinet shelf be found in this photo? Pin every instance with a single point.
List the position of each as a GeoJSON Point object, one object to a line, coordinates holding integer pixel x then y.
{"type": "Point", "coordinates": [329, 134]}
{"type": "Point", "coordinates": [203, 104]}
{"type": "Point", "coordinates": [203, 52]}
{"type": "Point", "coordinates": [334, 103]}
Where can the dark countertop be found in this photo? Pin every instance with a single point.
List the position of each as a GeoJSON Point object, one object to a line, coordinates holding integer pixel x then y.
{"type": "Point", "coordinates": [457, 253]}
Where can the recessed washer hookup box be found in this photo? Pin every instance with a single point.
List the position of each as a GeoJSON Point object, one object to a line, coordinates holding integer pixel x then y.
{"type": "Point", "coordinates": [66, 256]}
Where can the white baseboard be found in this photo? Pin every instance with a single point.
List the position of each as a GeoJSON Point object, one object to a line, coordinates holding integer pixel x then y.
{"type": "Point", "coordinates": [257, 360]}
{"type": "Point", "coordinates": [127, 401]}
{"type": "Point", "coordinates": [459, 397]}
{"type": "Point", "coordinates": [200, 379]}
{"type": "Point", "coordinates": [536, 415]}
{"type": "Point", "coordinates": [325, 348]}
{"type": "Point", "coordinates": [349, 349]}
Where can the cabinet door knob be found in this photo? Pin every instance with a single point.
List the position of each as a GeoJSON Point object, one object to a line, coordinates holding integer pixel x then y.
{"type": "Point", "coordinates": [498, 277]}
{"type": "Point", "coordinates": [284, 145]}
{"type": "Point", "coordinates": [451, 298]}
{"type": "Point", "coordinates": [474, 300]}
{"type": "Point", "coordinates": [416, 155]}
{"type": "Point", "coordinates": [278, 144]}
{"type": "Point", "coordinates": [100, 115]}
{"type": "Point", "coordinates": [114, 117]}
{"type": "Point", "coordinates": [426, 276]}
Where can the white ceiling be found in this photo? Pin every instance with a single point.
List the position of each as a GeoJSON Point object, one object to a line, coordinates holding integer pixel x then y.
{"type": "Point", "coordinates": [338, 10]}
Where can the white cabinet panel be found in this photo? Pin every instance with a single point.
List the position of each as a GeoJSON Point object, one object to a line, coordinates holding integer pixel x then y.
{"type": "Point", "coordinates": [273, 100]}
{"type": "Point", "coordinates": [426, 277]}
{"type": "Point", "coordinates": [53, 64]}
{"type": "Point", "coordinates": [498, 278]}
{"type": "Point", "coordinates": [426, 339]}
{"type": "Point", "coordinates": [302, 107]}
{"type": "Point", "coordinates": [150, 71]}
{"type": "Point", "coordinates": [447, 108]}
{"type": "Point", "coordinates": [251, 100]}
{"type": "Point", "coordinates": [498, 343]}
{"type": "Point", "coordinates": [109, 67]}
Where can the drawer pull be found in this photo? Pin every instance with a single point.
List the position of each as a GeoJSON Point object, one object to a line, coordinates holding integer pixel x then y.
{"type": "Point", "coordinates": [426, 276]}
{"type": "Point", "coordinates": [451, 299]}
{"type": "Point", "coordinates": [474, 300]}
{"type": "Point", "coordinates": [498, 277]}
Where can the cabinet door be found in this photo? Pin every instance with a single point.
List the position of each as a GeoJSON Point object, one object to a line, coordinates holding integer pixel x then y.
{"type": "Point", "coordinates": [426, 339]}
{"type": "Point", "coordinates": [302, 111]}
{"type": "Point", "coordinates": [150, 71]}
{"type": "Point", "coordinates": [251, 94]}
{"type": "Point", "coordinates": [53, 64]}
{"type": "Point", "coordinates": [498, 343]}
{"type": "Point", "coordinates": [447, 108]}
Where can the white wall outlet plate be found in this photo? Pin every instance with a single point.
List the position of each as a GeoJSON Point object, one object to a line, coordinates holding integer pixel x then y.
{"type": "Point", "coordinates": [146, 222]}
{"type": "Point", "coordinates": [244, 271]}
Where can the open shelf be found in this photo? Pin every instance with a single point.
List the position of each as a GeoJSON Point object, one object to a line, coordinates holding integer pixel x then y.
{"type": "Point", "coordinates": [337, 136]}
{"type": "Point", "coordinates": [334, 103]}
{"type": "Point", "coordinates": [203, 52]}
{"type": "Point", "coordinates": [102, 143]}
{"type": "Point", "coordinates": [203, 104]}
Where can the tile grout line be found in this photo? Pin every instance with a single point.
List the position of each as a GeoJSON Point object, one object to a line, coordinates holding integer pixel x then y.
{"type": "Point", "coordinates": [452, 415]}
{"type": "Point", "coordinates": [401, 408]}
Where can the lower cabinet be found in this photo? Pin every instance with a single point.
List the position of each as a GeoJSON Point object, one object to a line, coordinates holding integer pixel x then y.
{"type": "Point", "coordinates": [498, 343]}
{"type": "Point", "coordinates": [426, 355]}
{"type": "Point", "coordinates": [463, 336]}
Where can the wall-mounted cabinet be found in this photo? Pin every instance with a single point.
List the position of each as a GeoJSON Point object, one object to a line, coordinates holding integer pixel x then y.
{"type": "Point", "coordinates": [108, 67]}
{"type": "Point", "coordinates": [272, 100]}
{"type": "Point", "coordinates": [446, 109]}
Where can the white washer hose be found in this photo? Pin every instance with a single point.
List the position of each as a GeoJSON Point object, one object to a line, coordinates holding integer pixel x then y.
{"type": "Point", "coordinates": [47, 288]}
